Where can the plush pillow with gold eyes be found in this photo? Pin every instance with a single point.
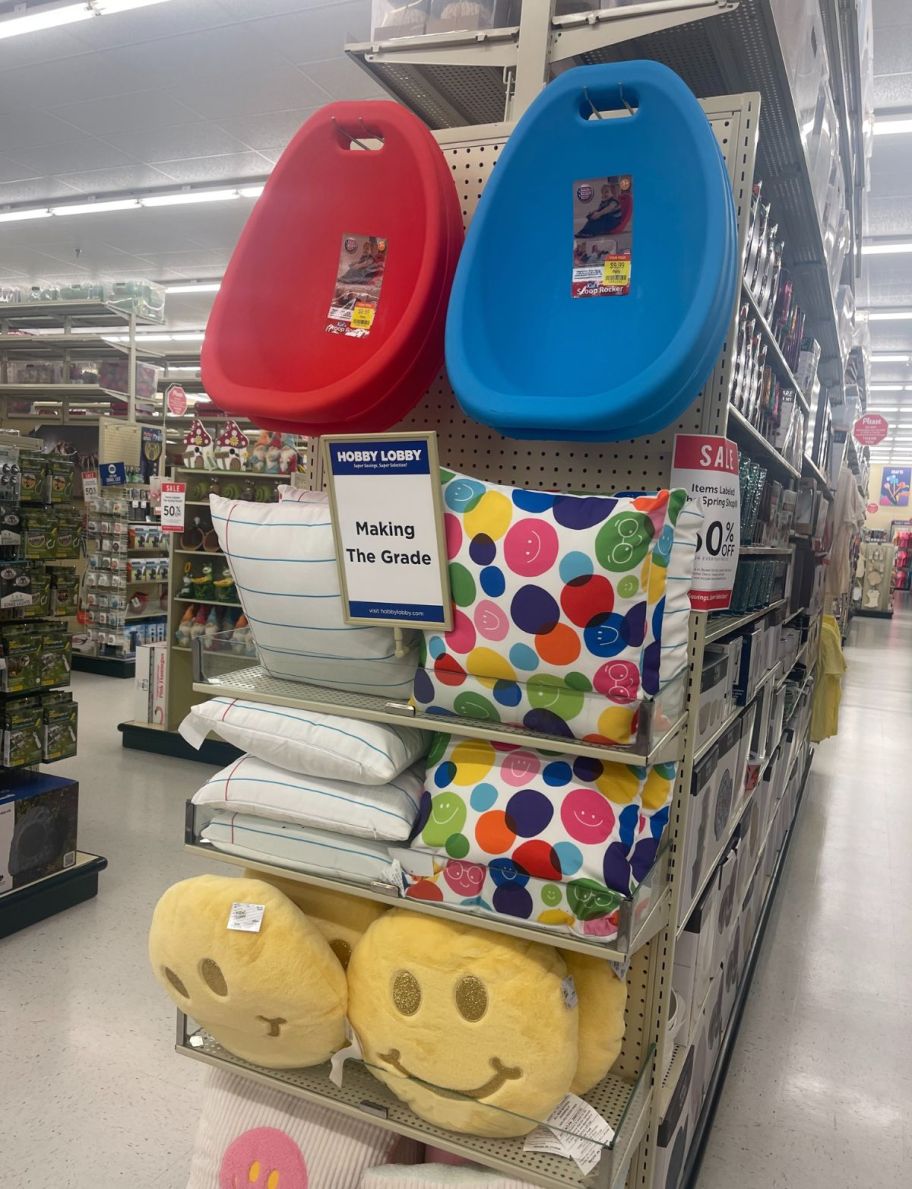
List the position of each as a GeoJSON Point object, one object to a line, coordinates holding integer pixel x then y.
{"type": "Point", "coordinates": [474, 1031]}
{"type": "Point", "coordinates": [341, 919]}
{"type": "Point", "coordinates": [277, 997]}
{"type": "Point", "coordinates": [602, 998]}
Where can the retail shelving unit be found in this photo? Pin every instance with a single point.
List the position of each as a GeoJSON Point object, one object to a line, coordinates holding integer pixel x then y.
{"type": "Point", "coordinates": [482, 78]}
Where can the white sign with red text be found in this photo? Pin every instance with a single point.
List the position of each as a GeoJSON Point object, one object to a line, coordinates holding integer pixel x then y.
{"type": "Point", "coordinates": [173, 503]}
{"type": "Point", "coordinates": [706, 466]}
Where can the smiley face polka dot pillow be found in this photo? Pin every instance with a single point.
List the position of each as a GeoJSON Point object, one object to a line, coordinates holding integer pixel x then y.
{"type": "Point", "coordinates": [569, 611]}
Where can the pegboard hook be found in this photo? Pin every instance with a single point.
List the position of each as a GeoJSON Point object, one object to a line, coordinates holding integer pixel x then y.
{"type": "Point", "coordinates": [351, 139]}
{"type": "Point", "coordinates": [595, 110]}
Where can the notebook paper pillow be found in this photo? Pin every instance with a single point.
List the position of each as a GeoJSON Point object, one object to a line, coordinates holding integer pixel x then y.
{"type": "Point", "coordinates": [308, 741]}
{"type": "Point", "coordinates": [250, 785]}
{"type": "Point", "coordinates": [283, 562]}
{"type": "Point", "coordinates": [300, 848]}
{"type": "Point", "coordinates": [523, 813]}
{"type": "Point", "coordinates": [559, 607]}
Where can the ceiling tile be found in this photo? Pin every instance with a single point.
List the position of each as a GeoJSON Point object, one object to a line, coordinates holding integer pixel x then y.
{"type": "Point", "coordinates": [78, 152]}
{"type": "Point", "coordinates": [314, 34]}
{"type": "Point", "coordinates": [886, 215]}
{"type": "Point", "coordinates": [21, 127]}
{"type": "Point", "coordinates": [137, 110]}
{"type": "Point", "coordinates": [148, 24]}
{"type": "Point", "coordinates": [201, 57]}
{"type": "Point", "coordinates": [45, 47]}
{"type": "Point", "coordinates": [341, 78]}
{"type": "Point", "coordinates": [242, 93]}
{"type": "Point", "coordinates": [198, 139]}
{"type": "Point", "coordinates": [893, 90]}
{"type": "Point", "coordinates": [34, 190]}
{"type": "Point", "coordinates": [267, 131]}
{"type": "Point", "coordinates": [68, 80]}
{"type": "Point", "coordinates": [121, 177]}
{"type": "Point", "coordinates": [243, 10]}
{"type": "Point", "coordinates": [14, 171]}
{"type": "Point", "coordinates": [224, 168]}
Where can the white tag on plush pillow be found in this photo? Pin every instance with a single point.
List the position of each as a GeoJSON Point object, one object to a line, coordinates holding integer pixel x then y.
{"type": "Point", "coordinates": [308, 741]}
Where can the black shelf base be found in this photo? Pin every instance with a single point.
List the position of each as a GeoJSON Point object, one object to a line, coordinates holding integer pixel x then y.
{"type": "Point", "coordinates": [867, 614]}
{"type": "Point", "coordinates": [139, 737]}
{"type": "Point", "coordinates": [105, 666]}
{"type": "Point", "coordinates": [46, 897]}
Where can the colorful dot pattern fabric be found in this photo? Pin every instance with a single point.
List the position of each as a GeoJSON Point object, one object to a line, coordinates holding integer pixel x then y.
{"type": "Point", "coordinates": [560, 840]}
{"type": "Point", "coordinates": [560, 608]}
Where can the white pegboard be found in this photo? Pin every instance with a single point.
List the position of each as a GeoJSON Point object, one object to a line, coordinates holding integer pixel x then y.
{"type": "Point", "coordinates": [641, 464]}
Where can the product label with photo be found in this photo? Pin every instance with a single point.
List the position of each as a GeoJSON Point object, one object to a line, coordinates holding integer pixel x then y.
{"type": "Point", "coordinates": [602, 236]}
{"type": "Point", "coordinates": [356, 296]}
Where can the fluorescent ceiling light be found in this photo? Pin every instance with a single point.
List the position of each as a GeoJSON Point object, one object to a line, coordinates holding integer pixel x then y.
{"type": "Point", "coordinates": [16, 216]}
{"type": "Point", "coordinates": [886, 249]}
{"type": "Point", "coordinates": [251, 191]}
{"type": "Point", "coordinates": [185, 367]}
{"type": "Point", "coordinates": [198, 287]}
{"type": "Point", "coordinates": [889, 315]}
{"type": "Point", "coordinates": [888, 387]}
{"type": "Point", "coordinates": [188, 336]}
{"type": "Point", "coordinates": [93, 208]}
{"type": "Point", "coordinates": [884, 126]}
{"type": "Point", "coordinates": [875, 358]}
{"type": "Point", "coordinates": [110, 7]}
{"type": "Point", "coordinates": [49, 18]}
{"type": "Point", "coordinates": [186, 196]}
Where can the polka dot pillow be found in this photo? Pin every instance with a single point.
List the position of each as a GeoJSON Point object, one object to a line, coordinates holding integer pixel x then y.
{"type": "Point", "coordinates": [558, 839]}
{"type": "Point", "coordinates": [570, 611]}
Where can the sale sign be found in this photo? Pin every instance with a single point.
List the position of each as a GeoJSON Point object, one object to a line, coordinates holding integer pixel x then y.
{"type": "Point", "coordinates": [870, 429]}
{"type": "Point", "coordinates": [706, 466]}
{"type": "Point", "coordinates": [173, 504]}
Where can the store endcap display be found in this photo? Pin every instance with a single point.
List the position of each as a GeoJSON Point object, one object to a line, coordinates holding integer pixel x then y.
{"type": "Point", "coordinates": [331, 312]}
{"type": "Point", "coordinates": [276, 996]}
{"type": "Point", "coordinates": [598, 277]}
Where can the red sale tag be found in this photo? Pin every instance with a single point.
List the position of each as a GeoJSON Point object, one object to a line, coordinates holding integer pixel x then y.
{"type": "Point", "coordinates": [706, 466]}
{"type": "Point", "coordinates": [173, 504]}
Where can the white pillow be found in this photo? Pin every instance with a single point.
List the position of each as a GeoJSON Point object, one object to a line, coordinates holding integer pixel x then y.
{"type": "Point", "coordinates": [308, 741]}
{"type": "Point", "coordinates": [251, 785]}
{"type": "Point", "coordinates": [299, 847]}
{"type": "Point", "coordinates": [283, 562]}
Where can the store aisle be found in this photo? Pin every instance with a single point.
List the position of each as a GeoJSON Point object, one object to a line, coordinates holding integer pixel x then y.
{"type": "Point", "coordinates": [819, 1090]}
{"type": "Point", "coordinates": [92, 1091]}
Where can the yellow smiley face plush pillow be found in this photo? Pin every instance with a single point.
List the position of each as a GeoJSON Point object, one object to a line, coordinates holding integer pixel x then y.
{"type": "Point", "coordinates": [342, 919]}
{"type": "Point", "coordinates": [276, 997]}
{"type": "Point", "coordinates": [602, 999]}
{"type": "Point", "coordinates": [474, 1031]}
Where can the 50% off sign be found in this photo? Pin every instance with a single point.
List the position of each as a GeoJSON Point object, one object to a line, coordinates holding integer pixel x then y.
{"type": "Point", "coordinates": [706, 466]}
{"type": "Point", "coordinates": [173, 505]}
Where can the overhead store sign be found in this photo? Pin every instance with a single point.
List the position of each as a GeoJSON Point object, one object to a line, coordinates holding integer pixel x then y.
{"type": "Point", "coordinates": [706, 466]}
{"type": "Point", "coordinates": [387, 515]}
{"type": "Point", "coordinates": [870, 429]}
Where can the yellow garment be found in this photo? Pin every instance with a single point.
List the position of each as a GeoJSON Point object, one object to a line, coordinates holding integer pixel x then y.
{"type": "Point", "coordinates": [828, 688]}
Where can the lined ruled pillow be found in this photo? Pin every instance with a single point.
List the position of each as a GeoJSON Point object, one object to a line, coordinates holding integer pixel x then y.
{"type": "Point", "coordinates": [308, 741]}
{"type": "Point", "coordinates": [283, 562]}
{"type": "Point", "coordinates": [300, 848]}
{"type": "Point", "coordinates": [250, 785]}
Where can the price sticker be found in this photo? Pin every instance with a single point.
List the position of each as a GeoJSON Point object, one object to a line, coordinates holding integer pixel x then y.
{"type": "Point", "coordinates": [363, 316]}
{"type": "Point", "coordinates": [173, 507]}
{"type": "Point", "coordinates": [616, 271]}
{"type": "Point", "coordinates": [246, 918]}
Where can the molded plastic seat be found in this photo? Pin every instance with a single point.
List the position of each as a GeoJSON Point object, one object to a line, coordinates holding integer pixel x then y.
{"type": "Point", "coordinates": [268, 354]}
{"type": "Point", "coordinates": [524, 354]}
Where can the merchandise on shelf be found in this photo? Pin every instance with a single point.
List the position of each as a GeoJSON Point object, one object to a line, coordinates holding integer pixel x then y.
{"type": "Point", "coordinates": [538, 376]}
{"type": "Point", "coordinates": [356, 331]}
{"type": "Point", "coordinates": [38, 821]}
{"type": "Point", "coordinates": [412, 18]}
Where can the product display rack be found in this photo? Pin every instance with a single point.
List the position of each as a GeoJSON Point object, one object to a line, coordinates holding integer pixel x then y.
{"type": "Point", "coordinates": [448, 79]}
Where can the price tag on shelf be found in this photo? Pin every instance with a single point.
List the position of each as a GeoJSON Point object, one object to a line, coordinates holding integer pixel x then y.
{"type": "Point", "coordinates": [90, 485]}
{"type": "Point", "coordinates": [706, 466]}
{"type": "Point", "coordinates": [173, 507]}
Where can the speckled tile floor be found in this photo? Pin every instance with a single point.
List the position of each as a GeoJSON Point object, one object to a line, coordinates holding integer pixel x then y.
{"type": "Point", "coordinates": [92, 1093]}
{"type": "Point", "coordinates": [819, 1092]}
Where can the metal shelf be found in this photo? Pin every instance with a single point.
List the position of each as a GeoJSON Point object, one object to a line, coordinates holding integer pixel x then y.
{"type": "Point", "coordinates": [810, 470]}
{"type": "Point", "coordinates": [793, 615]}
{"type": "Point", "coordinates": [625, 1105]}
{"type": "Point", "coordinates": [765, 551]}
{"type": "Point", "coordinates": [733, 717]}
{"type": "Point", "coordinates": [753, 441]}
{"type": "Point", "coordinates": [255, 684]}
{"type": "Point", "coordinates": [207, 602]}
{"type": "Point", "coordinates": [58, 314]}
{"type": "Point", "coordinates": [716, 629]}
{"type": "Point", "coordinates": [797, 661]}
{"type": "Point", "coordinates": [82, 392]}
{"type": "Point", "coordinates": [644, 921]}
{"type": "Point", "coordinates": [92, 346]}
{"type": "Point", "coordinates": [774, 355]}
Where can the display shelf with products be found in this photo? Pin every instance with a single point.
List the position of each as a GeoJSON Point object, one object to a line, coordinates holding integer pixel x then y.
{"type": "Point", "coordinates": [45, 897]}
{"type": "Point", "coordinates": [470, 449]}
